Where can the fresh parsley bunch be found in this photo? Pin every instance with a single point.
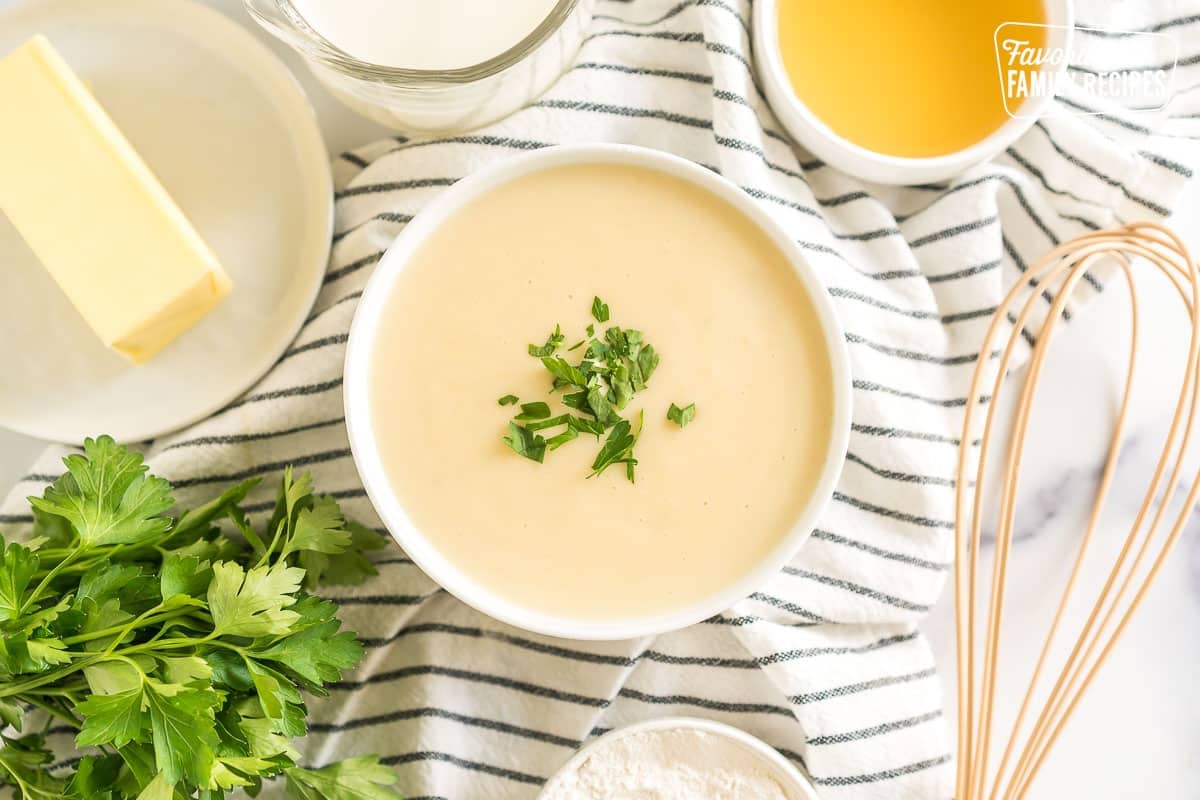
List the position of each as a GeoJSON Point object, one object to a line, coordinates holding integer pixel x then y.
{"type": "Point", "coordinates": [177, 651]}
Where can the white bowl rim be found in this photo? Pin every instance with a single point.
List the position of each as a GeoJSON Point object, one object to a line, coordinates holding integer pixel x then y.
{"type": "Point", "coordinates": [871, 164]}
{"type": "Point", "coordinates": [783, 768]}
{"type": "Point", "coordinates": [368, 461]}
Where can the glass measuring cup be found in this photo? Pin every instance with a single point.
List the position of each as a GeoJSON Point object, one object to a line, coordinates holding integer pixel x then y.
{"type": "Point", "coordinates": [420, 101]}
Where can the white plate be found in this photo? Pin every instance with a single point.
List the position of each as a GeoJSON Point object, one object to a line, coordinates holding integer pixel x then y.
{"type": "Point", "coordinates": [229, 132]}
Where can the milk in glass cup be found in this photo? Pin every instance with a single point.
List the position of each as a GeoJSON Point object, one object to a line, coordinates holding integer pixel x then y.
{"type": "Point", "coordinates": [431, 68]}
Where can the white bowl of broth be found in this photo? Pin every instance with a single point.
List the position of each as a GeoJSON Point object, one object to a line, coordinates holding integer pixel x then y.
{"type": "Point", "coordinates": [902, 92]}
{"type": "Point", "coordinates": [744, 333]}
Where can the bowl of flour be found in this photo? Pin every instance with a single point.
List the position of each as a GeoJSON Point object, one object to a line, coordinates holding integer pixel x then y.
{"type": "Point", "coordinates": [678, 758]}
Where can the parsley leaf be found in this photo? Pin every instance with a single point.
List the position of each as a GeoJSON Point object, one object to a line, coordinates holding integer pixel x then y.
{"type": "Point", "coordinates": [585, 425]}
{"type": "Point", "coordinates": [353, 779]}
{"type": "Point", "coordinates": [681, 416]}
{"type": "Point", "coordinates": [115, 719]}
{"type": "Point", "coordinates": [25, 761]}
{"type": "Point", "coordinates": [319, 527]}
{"type": "Point", "coordinates": [576, 400]}
{"type": "Point", "coordinates": [599, 310]}
{"type": "Point", "coordinates": [508, 400]}
{"type": "Point", "coordinates": [553, 422]}
{"type": "Point", "coordinates": [184, 731]}
{"type": "Point", "coordinates": [158, 789]}
{"type": "Point", "coordinates": [253, 603]}
{"type": "Point", "coordinates": [275, 692]}
{"type": "Point", "coordinates": [558, 440]}
{"type": "Point", "coordinates": [349, 567]}
{"type": "Point", "coordinates": [17, 567]}
{"type": "Point", "coordinates": [616, 448]}
{"type": "Point", "coordinates": [526, 443]}
{"type": "Point", "coordinates": [530, 411]}
{"type": "Point", "coordinates": [553, 341]}
{"type": "Point", "coordinates": [564, 371]}
{"type": "Point", "coordinates": [597, 400]}
{"type": "Point", "coordinates": [317, 654]}
{"type": "Point", "coordinates": [11, 714]}
{"type": "Point", "coordinates": [183, 575]}
{"type": "Point", "coordinates": [197, 520]}
{"type": "Point", "coordinates": [647, 361]}
{"type": "Point", "coordinates": [107, 497]}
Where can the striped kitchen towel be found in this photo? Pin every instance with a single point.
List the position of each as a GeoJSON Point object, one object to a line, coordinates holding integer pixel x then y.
{"type": "Point", "coordinates": [825, 661]}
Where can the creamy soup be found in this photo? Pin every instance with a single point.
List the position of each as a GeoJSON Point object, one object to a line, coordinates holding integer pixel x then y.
{"type": "Point", "coordinates": [736, 332]}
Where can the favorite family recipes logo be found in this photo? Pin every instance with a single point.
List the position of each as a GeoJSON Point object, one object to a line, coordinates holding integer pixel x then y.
{"type": "Point", "coordinates": [1035, 61]}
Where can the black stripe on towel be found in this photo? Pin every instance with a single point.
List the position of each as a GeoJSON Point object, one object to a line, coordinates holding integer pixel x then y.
{"type": "Point", "coordinates": [863, 591]}
{"type": "Point", "coordinates": [875, 730]}
{"type": "Point", "coordinates": [439, 713]}
{"type": "Point", "coordinates": [533, 689]}
{"type": "Point", "coordinates": [895, 475]}
{"type": "Point", "coordinates": [242, 438]}
{"type": "Point", "coordinates": [862, 505]}
{"type": "Point", "coordinates": [864, 686]}
{"type": "Point", "coordinates": [891, 555]}
{"type": "Point", "coordinates": [885, 775]}
{"type": "Point", "coordinates": [262, 469]}
{"type": "Point", "coordinates": [473, 766]}
{"type": "Point", "coordinates": [292, 391]}
{"type": "Point", "coordinates": [704, 702]}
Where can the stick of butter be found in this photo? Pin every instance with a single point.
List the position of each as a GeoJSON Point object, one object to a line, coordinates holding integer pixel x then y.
{"type": "Point", "coordinates": [93, 212]}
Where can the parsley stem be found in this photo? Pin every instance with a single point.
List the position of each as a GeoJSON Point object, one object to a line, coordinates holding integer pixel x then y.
{"type": "Point", "coordinates": [91, 635]}
{"type": "Point", "coordinates": [49, 677]}
{"type": "Point", "coordinates": [140, 621]}
{"type": "Point", "coordinates": [120, 655]}
{"type": "Point", "coordinates": [52, 710]}
{"type": "Point", "coordinates": [25, 790]}
{"type": "Point", "coordinates": [45, 582]}
{"type": "Point", "coordinates": [274, 540]}
{"type": "Point", "coordinates": [70, 694]}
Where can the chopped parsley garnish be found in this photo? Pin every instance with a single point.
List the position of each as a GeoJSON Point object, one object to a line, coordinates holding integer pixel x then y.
{"type": "Point", "coordinates": [618, 448]}
{"type": "Point", "coordinates": [613, 368]}
{"type": "Point", "coordinates": [559, 440]}
{"type": "Point", "coordinates": [553, 341]}
{"type": "Point", "coordinates": [530, 411]}
{"type": "Point", "coordinates": [509, 400]}
{"type": "Point", "coordinates": [681, 416]}
{"type": "Point", "coordinates": [584, 425]}
{"type": "Point", "coordinates": [568, 374]}
{"type": "Point", "coordinates": [525, 442]}
{"type": "Point", "coordinates": [552, 422]}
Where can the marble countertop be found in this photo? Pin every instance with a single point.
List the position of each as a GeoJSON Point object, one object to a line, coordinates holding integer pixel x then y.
{"type": "Point", "coordinates": [1137, 734]}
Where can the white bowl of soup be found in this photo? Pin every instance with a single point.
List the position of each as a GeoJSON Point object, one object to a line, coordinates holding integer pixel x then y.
{"type": "Point", "coordinates": [448, 346]}
{"type": "Point", "coordinates": [908, 92]}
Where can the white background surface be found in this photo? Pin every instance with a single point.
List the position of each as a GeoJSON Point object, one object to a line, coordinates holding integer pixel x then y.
{"type": "Point", "coordinates": [1137, 734]}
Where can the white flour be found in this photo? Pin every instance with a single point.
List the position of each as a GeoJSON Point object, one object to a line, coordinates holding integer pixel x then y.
{"type": "Point", "coordinates": [678, 764]}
